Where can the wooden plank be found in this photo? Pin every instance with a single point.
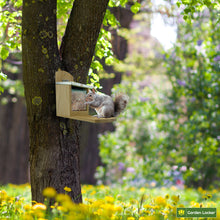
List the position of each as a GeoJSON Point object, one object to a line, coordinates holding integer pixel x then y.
{"type": "Point", "coordinates": [63, 94]}
{"type": "Point", "coordinates": [63, 100]}
{"type": "Point", "coordinates": [61, 76]}
{"type": "Point", "coordinates": [92, 119]}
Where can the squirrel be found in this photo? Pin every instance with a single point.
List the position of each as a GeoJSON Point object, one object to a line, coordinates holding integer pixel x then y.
{"type": "Point", "coordinates": [104, 105]}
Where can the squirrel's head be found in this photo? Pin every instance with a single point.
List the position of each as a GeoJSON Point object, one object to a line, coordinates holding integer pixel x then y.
{"type": "Point", "coordinates": [90, 95]}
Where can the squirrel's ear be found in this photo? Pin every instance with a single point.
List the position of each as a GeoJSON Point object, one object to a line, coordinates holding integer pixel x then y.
{"type": "Point", "coordinates": [93, 90]}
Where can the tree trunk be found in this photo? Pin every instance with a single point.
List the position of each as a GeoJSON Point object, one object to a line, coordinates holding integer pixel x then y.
{"type": "Point", "coordinates": [54, 142]}
{"type": "Point", "coordinates": [14, 139]}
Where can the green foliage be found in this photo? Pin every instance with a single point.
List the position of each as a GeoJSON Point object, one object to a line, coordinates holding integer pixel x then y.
{"type": "Point", "coordinates": [103, 49]}
{"type": "Point", "coordinates": [168, 135]}
{"type": "Point", "coordinates": [10, 33]}
{"type": "Point", "coordinates": [2, 77]}
{"type": "Point", "coordinates": [193, 68]}
{"type": "Point", "coordinates": [63, 12]}
{"type": "Point", "coordinates": [132, 154]}
{"type": "Point", "coordinates": [192, 7]}
{"type": "Point", "coordinates": [10, 26]}
{"type": "Point", "coordinates": [135, 7]}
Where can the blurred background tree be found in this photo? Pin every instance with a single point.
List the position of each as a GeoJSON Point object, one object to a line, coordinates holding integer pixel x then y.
{"type": "Point", "coordinates": [193, 68]}
{"type": "Point", "coordinates": [170, 131]}
{"type": "Point", "coordinates": [14, 129]}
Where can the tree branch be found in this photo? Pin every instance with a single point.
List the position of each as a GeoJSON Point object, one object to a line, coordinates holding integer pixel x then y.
{"type": "Point", "coordinates": [81, 35]}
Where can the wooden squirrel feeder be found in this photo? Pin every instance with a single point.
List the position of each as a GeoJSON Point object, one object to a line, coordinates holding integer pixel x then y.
{"type": "Point", "coordinates": [70, 99]}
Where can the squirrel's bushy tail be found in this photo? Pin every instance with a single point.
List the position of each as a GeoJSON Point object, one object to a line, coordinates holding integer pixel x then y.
{"type": "Point", "coordinates": [120, 103]}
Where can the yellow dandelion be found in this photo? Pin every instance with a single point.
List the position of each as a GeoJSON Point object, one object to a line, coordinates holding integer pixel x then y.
{"type": "Point", "coordinates": [39, 206]}
{"type": "Point", "coordinates": [109, 209]}
{"type": "Point", "coordinates": [62, 198]}
{"type": "Point", "coordinates": [114, 217]}
{"type": "Point", "coordinates": [11, 200]}
{"type": "Point", "coordinates": [130, 218]}
{"type": "Point", "coordinates": [175, 199]}
{"type": "Point", "coordinates": [49, 192]}
{"type": "Point", "coordinates": [3, 195]}
{"type": "Point", "coordinates": [62, 209]}
{"type": "Point", "coordinates": [90, 201]}
{"type": "Point", "coordinates": [195, 204]}
{"type": "Point", "coordinates": [142, 190]}
{"type": "Point", "coordinates": [27, 217]}
{"type": "Point", "coordinates": [93, 193]}
{"type": "Point", "coordinates": [148, 218]}
{"type": "Point", "coordinates": [200, 189]}
{"type": "Point", "coordinates": [67, 189]}
{"type": "Point", "coordinates": [68, 205]}
{"type": "Point", "coordinates": [118, 209]}
{"type": "Point", "coordinates": [147, 206]}
{"type": "Point", "coordinates": [27, 207]}
{"type": "Point", "coordinates": [170, 207]}
{"type": "Point", "coordinates": [132, 188]}
{"type": "Point", "coordinates": [211, 204]}
{"type": "Point", "coordinates": [98, 212]}
{"type": "Point", "coordinates": [109, 199]}
{"type": "Point", "coordinates": [167, 196]}
{"type": "Point", "coordinates": [147, 212]}
{"type": "Point", "coordinates": [96, 204]}
{"type": "Point", "coordinates": [83, 191]}
{"type": "Point", "coordinates": [214, 191]}
{"type": "Point", "coordinates": [157, 207]}
{"type": "Point", "coordinates": [205, 197]}
{"type": "Point", "coordinates": [160, 201]}
{"type": "Point", "coordinates": [209, 196]}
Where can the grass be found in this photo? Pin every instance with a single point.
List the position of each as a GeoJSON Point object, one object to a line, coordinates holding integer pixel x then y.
{"type": "Point", "coordinates": [104, 202]}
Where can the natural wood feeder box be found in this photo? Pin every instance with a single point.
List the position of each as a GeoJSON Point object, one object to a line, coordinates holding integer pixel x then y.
{"type": "Point", "coordinates": [70, 99]}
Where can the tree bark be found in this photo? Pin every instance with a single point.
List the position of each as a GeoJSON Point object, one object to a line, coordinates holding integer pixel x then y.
{"type": "Point", "coordinates": [54, 142]}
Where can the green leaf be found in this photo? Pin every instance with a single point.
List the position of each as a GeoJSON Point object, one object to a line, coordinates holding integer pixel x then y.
{"type": "Point", "coordinates": [136, 7]}
{"type": "Point", "coordinates": [114, 3]}
{"type": "Point", "coordinates": [3, 76]}
{"type": "Point", "coordinates": [111, 19]}
{"type": "Point", "coordinates": [96, 65]}
{"type": "Point", "coordinates": [123, 2]}
{"type": "Point", "coordinates": [109, 60]}
{"type": "Point", "coordinates": [18, 3]}
{"type": "Point", "coordinates": [178, 4]}
{"type": "Point", "coordinates": [4, 52]}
